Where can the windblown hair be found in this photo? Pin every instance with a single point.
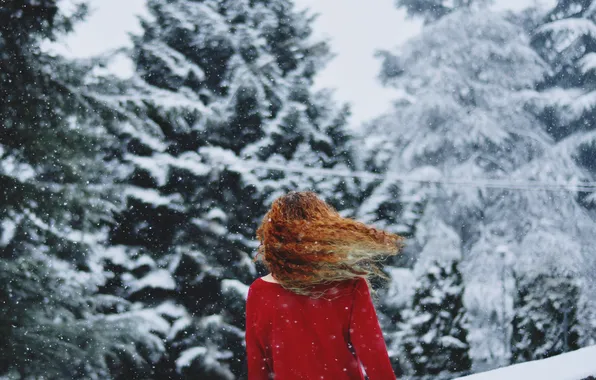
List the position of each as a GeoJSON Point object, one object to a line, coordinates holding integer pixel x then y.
{"type": "Point", "coordinates": [305, 243]}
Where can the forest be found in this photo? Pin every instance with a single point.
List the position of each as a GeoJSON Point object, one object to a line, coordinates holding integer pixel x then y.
{"type": "Point", "coordinates": [129, 206]}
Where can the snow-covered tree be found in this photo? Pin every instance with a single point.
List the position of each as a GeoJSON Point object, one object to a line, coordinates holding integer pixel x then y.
{"type": "Point", "coordinates": [545, 319]}
{"type": "Point", "coordinates": [466, 79]}
{"type": "Point", "coordinates": [432, 10]}
{"type": "Point", "coordinates": [396, 295]}
{"type": "Point", "coordinates": [566, 40]}
{"type": "Point", "coordinates": [54, 199]}
{"type": "Point", "coordinates": [567, 105]}
{"type": "Point", "coordinates": [436, 327]}
{"type": "Point", "coordinates": [50, 142]}
{"type": "Point", "coordinates": [220, 108]}
{"type": "Point", "coordinates": [463, 115]}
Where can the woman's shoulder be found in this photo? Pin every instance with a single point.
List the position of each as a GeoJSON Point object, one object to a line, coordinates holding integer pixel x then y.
{"type": "Point", "coordinates": [336, 288]}
{"type": "Point", "coordinates": [261, 286]}
{"type": "Point", "coordinates": [356, 282]}
{"type": "Point", "coordinates": [255, 283]}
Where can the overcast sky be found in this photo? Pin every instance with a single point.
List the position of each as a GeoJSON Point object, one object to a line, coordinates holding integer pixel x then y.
{"type": "Point", "coordinates": [356, 29]}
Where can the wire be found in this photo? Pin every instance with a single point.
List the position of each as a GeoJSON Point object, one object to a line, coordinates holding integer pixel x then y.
{"type": "Point", "coordinates": [480, 183]}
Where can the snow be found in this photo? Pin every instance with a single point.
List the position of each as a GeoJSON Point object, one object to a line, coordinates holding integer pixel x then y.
{"type": "Point", "coordinates": [156, 167]}
{"type": "Point", "coordinates": [186, 357]}
{"type": "Point", "coordinates": [190, 161]}
{"type": "Point", "coordinates": [577, 105]}
{"type": "Point", "coordinates": [216, 213]}
{"type": "Point", "coordinates": [211, 226]}
{"type": "Point", "coordinates": [151, 196]}
{"type": "Point", "coordinates": [544, 248]}
{"type": "Point", "coordinates": [144, 260]}
{"type": "Point", "coordinates": [401, 286]}
{"type": "Point", "coordinates": [174, 60]}
{"type": "Point", "coordinates": [567, 30]}
{"type": "Point", "coordinates": [19, 170]}
{"type": "Point", "coordinates": [118, 254]}
{"type": "Point", "coordinates": [7, 231]}
{"type": "Point", "coordinates": [588, 62]}
{"type": "Point", "coordinates": [154, 142]}
{"type": "Point", "coordinates": [214, 319]}
{"type": "Point", "coordinates": [153, 320]}
{"type": "Point", "coordinates": [159, 278]}
{"type": "Point", "coordinates": [210, 359]}
{"type": "Point", "coordinates": [179, 326]}
{"type": "Point", "coordinates": [449, 341]}
{"type": "Point", "coordinates": [575, 365]}
{"type": "Point", "coordinates": [228, 285]}
{"type": "Point", "coordinates": [440, 243]}
{"type": "Point", "coordinates": [171, 310]}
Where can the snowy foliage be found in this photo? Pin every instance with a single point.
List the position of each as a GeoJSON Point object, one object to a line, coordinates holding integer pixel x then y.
{"type": "Point", "coordinates": [466, 97]}
{"type": "Point", "coordinates": [567, 107]}
{"type": "Point", "coordinates": [476, 107]}
{"type": "Point", "coordinates": [545, 320]}
{"type": "Point", "coordinates": [432, 10]}
{"type": "Point", "coordinates": [568, 101]}
{"type": "Point", "coordinates": [216, 83]}
{"type": "Point", "coordinates": [435, 330]}
{"type": "Point", "coordinates": [129, 204]}
{"type": "Point", "coordinates": [56, 197]}
{"type": "Point", "coordinates": [60, 328]}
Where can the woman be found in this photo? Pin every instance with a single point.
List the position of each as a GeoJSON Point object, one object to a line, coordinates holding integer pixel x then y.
{"type": "Point", "coordinates": [312, 316]}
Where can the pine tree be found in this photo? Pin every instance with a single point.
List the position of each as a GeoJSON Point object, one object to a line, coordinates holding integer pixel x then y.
{"type": "Point", "coordinates": [466, 79]}
{"type": "Point", "coordinates": [54, 161]}
{"type": "Point", "coordinates": [218, 85]}
{"type": "Point", "coordinates": [545, 317]}
{"type": "Point", "coordinates": [432, 10]}
{"type": "Point", "coordinates": [436, 328]}
{"type": "Point", "coordinates": [396, 296]}
{"type": "Point", "coordinates": [457, 71]}
{"type": "Point", "coordinates": [566, 40]}
{"type": "Point", "coordinates": [441, 127]}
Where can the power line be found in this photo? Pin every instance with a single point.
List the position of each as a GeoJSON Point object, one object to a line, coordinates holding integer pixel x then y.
{"type": "Point", "coordinates": [474, 182]}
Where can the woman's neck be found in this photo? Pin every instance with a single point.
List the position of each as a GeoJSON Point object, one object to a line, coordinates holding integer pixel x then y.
{"type": "Point", "coordinates": [269, 278]}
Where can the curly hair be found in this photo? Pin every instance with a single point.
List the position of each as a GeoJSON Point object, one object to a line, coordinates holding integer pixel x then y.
{"type": "Point", "coordinates": [305, 242]}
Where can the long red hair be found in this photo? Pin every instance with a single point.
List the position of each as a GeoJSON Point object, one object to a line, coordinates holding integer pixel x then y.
{"type": "Point", "coordinates": [305, 242]}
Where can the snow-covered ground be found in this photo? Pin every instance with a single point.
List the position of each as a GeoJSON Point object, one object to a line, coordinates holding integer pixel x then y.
{"type": "Point", "coordinates": [575, 365]}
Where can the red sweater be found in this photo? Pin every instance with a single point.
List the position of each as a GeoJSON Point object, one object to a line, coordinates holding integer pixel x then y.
{"type": "Point", "coordinates": [295, 337]}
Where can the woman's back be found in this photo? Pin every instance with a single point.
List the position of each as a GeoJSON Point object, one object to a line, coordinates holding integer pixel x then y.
{"type": "Point", "coordinates": [291, 336]}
